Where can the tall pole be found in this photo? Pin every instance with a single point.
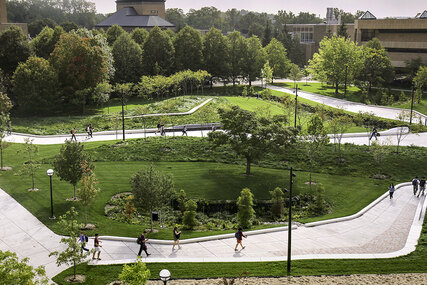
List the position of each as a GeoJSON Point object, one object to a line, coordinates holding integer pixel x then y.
{"type": "Point", "coordinates": [123, 116]}
{"type": "Point", "coordinates": [290, 222]}
{"type": "Point", "coordinates": [51, 200]}
{"type": "Point", "coordinates": [296, 105]}
{"type": "Point", "coordinates": [412, 105]}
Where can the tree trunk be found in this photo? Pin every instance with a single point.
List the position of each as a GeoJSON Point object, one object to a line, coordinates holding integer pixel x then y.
{"type": "Point", "coordinates": [248, 166]}
{"type": "Point", "coordinates": [151, 219]}
{"type": "Point", "coordinates": [74, 267]}
{"type": "Point", "coordinates": [32, 180]}
{"type": "Point", "coordinates": [250, 82]}
{"type": "Point", "coordinates": [336, 88]}
{"type": "Point", "coordinates": [74, 191]}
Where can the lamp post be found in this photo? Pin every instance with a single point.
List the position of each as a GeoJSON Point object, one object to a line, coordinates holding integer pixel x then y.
{"type": "Point", "coordinates": [50, 174]}
{"type": "Point", "coordinates": [165, 276]}
{"type": "Point", "coordinates": [291, 182]}
{"type": "Point", "coordinates": [296, 105]}
{"type": "Point", "coordinates": [412, 104]}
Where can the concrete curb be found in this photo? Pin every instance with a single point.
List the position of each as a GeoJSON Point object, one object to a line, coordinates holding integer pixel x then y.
{"type": "Point", "coordinates": [200, 239]}
{"type": "Point", "coordinates": [358, 214]}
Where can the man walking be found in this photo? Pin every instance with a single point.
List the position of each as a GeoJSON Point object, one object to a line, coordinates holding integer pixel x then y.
{"type": "Point", "coordinates": [141, 241]}
{"type": "Point", "coordinates": [184, 131]}
{"type": "Point", "coordinates": [73, 134]}
{"type": "Point", "coordinates": [83, 240]}
{"type": "Point", "coordinates": [415, 183]}
{"type": "Point", "coordinates": [239, 236]}
{"type": "Point", "coordinates": [422, 186]}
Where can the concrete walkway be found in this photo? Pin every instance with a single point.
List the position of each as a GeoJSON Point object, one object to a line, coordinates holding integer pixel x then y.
{"type": "Point", "coordinates": [379, 111]}
{"type": "Point", "coordinates": [386, 228]}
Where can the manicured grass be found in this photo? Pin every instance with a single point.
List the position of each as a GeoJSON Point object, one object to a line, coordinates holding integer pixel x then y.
{"type": "Point", "coordinates": [412, 263]}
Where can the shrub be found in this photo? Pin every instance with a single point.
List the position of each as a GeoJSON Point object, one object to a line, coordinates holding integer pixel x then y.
{"type": "Point", "coordinates": [246, 211]}
{"type": "Point", "coordinates": [319, 207]}
{"type": "Point", "coordinates": [135, 274]}
{"type": "Point", "coordinates": [189, 219]}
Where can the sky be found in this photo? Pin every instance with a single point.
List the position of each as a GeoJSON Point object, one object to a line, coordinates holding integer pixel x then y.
{"type": "Point", "coordinates": [380, 8]}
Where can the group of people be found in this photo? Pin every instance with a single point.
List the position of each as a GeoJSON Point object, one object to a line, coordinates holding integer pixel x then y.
{"type": "Point", "coordinates": [89, 131]}
{"type": "Point", "coordinates": [96, 245]}
{"type": "Point", "coordinates": [418, 185]}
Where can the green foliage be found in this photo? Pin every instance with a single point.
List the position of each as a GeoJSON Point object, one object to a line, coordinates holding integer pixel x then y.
{"type": "Point", "coordinates": [295, 73]}
{"type": "Point", "coordinates": [139, 35]}
{"type": "Point", "coordinates": [113, 33]}
{"type": "Point", "coordinates": [182, 199]}
{"type": "Point", "coordinates": [14, 48]}
{"type": "Point", "coordinates": [73, 255]}
{"type": "Point", "coordinates": [152, 189]}
{"type": "Point", "coordinates": [14, 271]}
{"type": "Point", "coordinates": [237, 45]}
{"type": "Point", "coordinates": [43, 44]}
{"type": "Point", "coordinates": [37, 26]}
{"type": "Point", "coordinates": [246, 212]}
{"type": "Point", "coordinates": [267, 73]}
{"type": "Point", "coordinates": [189, 220]}
{"type": "Point", "coordinates": [254, 59]}
{"type": "Point", "coordinates": [158, 53]}
{"type": "Point", "coordinates": [35, 86]}
{"type": "Point", "coordinates": [420, 78]}
{"type": "Point", "coordinates": [277, 202]}
{"type": "Point", "coordinates": [31, 165]}
{"type": "Point", "coordinates": [127, 56]}
{"type": "Point", "coordinates": [135, 274]}
{"type": "Point", "coordinates": [67, 163]}
{"type": "Point", "coordinates": [88, 190]}
{"type": "Point", "coordinates": [319, 207]}
{"type": "Point", "coordinates": [215, 53]}
{"type": "Point", "coordinates": [188, 49]}
{"type": "Point", "coordinates": [5, 107]}
{"type": "Point", "coordinates": [277, 57]}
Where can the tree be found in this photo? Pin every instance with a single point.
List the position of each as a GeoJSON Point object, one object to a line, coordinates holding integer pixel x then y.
{"type": "Point", "coordinates": [204, 18]}
{"type": "Point", "coordinates": [5, 107]}
{"type": "Point", "coordinates": [276, 56]}
{"type": "Point", "coordinates": [379, 152]}
{"type": "Point", "coordinates": [43, 44]}
{"type": "Point", "coordinates": [367, 120]}
{"type": "Point", "coordinates": [254, 59]}
{"type": "Point", "coordinates": [215, 54]}
{"type": "Point", "coordinates": [88, 190]}
{"type": "Point", "coordinates": [295, 73]}
{"type": "Point", "coordinates": [342, 31]}
{"type": "Point", "coordinates": [14, 271]}
{"type": "Point", "coordinates": [135, 274]}
{"type": "Point", "coordinates": [127, 56]}
{"type": "Point", "coordinates": [250, 136]}
{"type": "Point", "coordinates": [267, 33]}
{"type": "Point", "coordinates": [377, 69]}
{"type": "Point", "coordinates": [319, 207]}
{"type": "Point", "coordinates": [158, 53]}
{"type": "Point", "coordinates": [139, 35]}
{"type": "Point", "coordinates": [420, 79]}
{"type": "Point", "coordinates": [339, 60]}
{"type": "Point", "coordinates": [176, 16]}
{"type": "Point", "coordinates": [246, 211]}
{"type": "Point", "coordinates": [189, 220]}
{"type": "Point", "coordinates": [277, 202]}
{"type": "Point", "coordinates": [38, 25]}
{"type": "Point", "coordinates": [68, 26]}
{"type": "Point", "coordinates": [113, 33]}
{"type": "Point", "coordinates": [237, 45]}
{"type": "Point", "coordinates": [30, 166]}
{"type": "Point", "coordinates": [14, 49]}
{"type": "Point", "coordinates": [267, 73]}
{"type": "Point", "coordinates": [68, 163]}
{"type": "Point", "coordinates": [73, 254]}
{"type": "Point", "coordinates": [188, 49]}
{"type": "Point", "coordinates": [338, 126]}
{"type": "Point", "coordinates": [402, 131]}
{"type": "Point", "coordinates": [316, 138]}
{"type": "Point", "coordinates": [152, 189]}
{"type": "Point", "coordinates": [182, 199]}
{"type": "Point", "coordinates": [35, 86]}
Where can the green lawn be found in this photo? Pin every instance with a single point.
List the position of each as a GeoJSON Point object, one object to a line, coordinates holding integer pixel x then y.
{"type": "Point", "coordinates": [412, 263]}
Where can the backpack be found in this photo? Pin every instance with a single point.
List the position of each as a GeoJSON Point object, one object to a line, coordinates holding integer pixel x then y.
{"type": "Point", "coordinates": [86, 238]}
{"type": "Point", "coordinates": [237, 235]}
{"type": "Point", "coordinates": [415, 182]}
{"type": "Point", "coordinates": [138, 240]}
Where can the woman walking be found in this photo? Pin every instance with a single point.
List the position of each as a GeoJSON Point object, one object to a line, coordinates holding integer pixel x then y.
{"type": "Point", "coordinates": [391, 190]}
{"type": "Point", "coordinates": [97, 247]}
{"type": "Point", "coordinates": [239, 236]}
{"type": "Point", "coordinates": [176, 236]}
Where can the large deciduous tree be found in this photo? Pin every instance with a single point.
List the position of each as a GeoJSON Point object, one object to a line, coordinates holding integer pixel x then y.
{"type": "Point", "coordinates": [276, 56]}
{"type": "Point", "coordinates": [158, 53]}
{"type": "Point", "coordinates": [215, 54]}
{"type": "Point", "coordinates": [42, 45]}
{"type": "Point", "coordinates": [338, 61]}
{"type": "Point", "coordinates": [127, 56]}
{"type": "Point", "coordinates": [188, 49]}
{"type": "Point", "coordinates": [250, 136]}
{"type": "Point", "coordinates": [254, 59]}
{"type": "Point", "coordinates": [139, 35]}
{"type": "Point", "coordinates": [5, 107]}
{"type": "Point", "coordinates": [14, 48]}
{"type": "Point", "coordinates": [152, 189]}
{"type": "Point", "coordinates": [113, 33]}
{"type": "Point", "coordinates": [237, 51]}
{"type": "Point", "coordinates": [35, 85]}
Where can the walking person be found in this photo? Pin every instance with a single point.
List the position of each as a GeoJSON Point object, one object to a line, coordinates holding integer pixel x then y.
{"type": "Point", "coordinates": [9, 129]}
{"type": "Point", "coordinates": [73, 134]}
{"type": "Point", "coordinates": [91, 130]}
{"type": "Point", "coordinates": [176, 236]}
{"type": "Point", "coordinates": [391, 190]}
{"type": "Point", "coordinates": [184, 131]}
{"type": "Point", "coordinates": [213, 128]}
{"type": "Point", "coordinates": [415, 183]}
{"type": "Point", "coordinates": [422, 186]}
{"type": "Point", "coordinates": [374, 134]}
{"type": "Point", "coordinates": [97, 247]}
{"type": "Point", "coordinates": [83, 240]}
{"type": "Point", "coordinates": [141, 241]}
{"type": "Point", "coordinates": [239, 236]}
{"type": "Point", "coordinates": [88, 131]}
{"type": "Point", "coordinates": [162, 130]}
{"type": "Point", "coordinates": [158, 128]}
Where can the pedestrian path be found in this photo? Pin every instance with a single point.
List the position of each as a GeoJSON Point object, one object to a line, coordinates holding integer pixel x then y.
{"type": "Point", "coordinates": [386, 228]}
{"type": "Point", "coordinates": [379, 111]}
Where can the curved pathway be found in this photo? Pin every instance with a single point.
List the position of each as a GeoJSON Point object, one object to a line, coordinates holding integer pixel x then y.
{"type": "Point", "coordinates": [379, 111]}
{"type": "Point", "coordinates": [386, 228]}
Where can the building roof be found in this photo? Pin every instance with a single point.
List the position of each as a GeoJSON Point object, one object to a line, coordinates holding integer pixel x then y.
{"type": "Point", "coordinates": [128, 17]}
{"type": "Point", "coordinates": [424, 15]}
{"type": "Point", "coordinates": [368, 16]}
{"type": "Point", "coordinates": [133, 1]}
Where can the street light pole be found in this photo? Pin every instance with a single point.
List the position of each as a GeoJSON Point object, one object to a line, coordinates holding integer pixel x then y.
{"type": "Point", "coordinates": [292, 175]}
{"type": "Point", "coordinates": [296, 105]}
{"type": "Point", "coordinates": [50, 174]}
{"type": "Point", "coordinates": [412, 104]}
{"type": "Point", "coordinates": [123, 116]}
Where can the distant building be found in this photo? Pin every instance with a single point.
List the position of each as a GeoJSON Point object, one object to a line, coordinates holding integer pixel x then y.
{"type": "Point", "coordinates": [403, 38]}
{"type": "Point", "coordinates": [310, 35]}
{"type": "Point", "coordinates": [4, 25]}
{"type": "Point", "coordinates": [132, 14]}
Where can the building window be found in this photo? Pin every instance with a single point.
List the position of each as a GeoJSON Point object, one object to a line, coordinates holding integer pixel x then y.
{"type": "Point", "coordinates": [154, 12]}
{"type": "Point", "coordinates": [367, 35]}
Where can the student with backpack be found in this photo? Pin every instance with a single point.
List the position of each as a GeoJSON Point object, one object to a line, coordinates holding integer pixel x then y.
{"type": "Point", "coordinates": [422, 186]}
{"type": "Point", "coordinates": [239, 236]}
{"type": "Point", "coordinates": [142, 246]}
{"type": "Point", "coordinates": [83, 240]}
{"type": "Point", "coordinates": [415, 183]}
{"type": "Point", "coordinates": [176, 237]}
{"type": "Point", "coordinates": [391, 190]}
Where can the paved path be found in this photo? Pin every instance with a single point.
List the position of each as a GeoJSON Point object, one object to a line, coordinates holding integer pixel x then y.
{"type": "Point", "coordinates": [379, 111]}
{"type": "Point", "coordinates": [386, 228]}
